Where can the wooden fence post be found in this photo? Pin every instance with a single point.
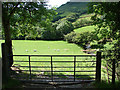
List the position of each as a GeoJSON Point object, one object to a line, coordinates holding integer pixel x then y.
{"type": "Point", "coordinates": [98, 66]}
{"type": "Point", "coordinates": [113, 71]}
{"type": "Point", "coordinates": [5, 63]}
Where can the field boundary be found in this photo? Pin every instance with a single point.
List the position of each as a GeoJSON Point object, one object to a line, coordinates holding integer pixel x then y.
{"type": "Point", "coordinates": [52, 76]}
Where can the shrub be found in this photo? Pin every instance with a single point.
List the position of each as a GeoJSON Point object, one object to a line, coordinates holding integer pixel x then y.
{"type": "Point", "coordinates": [69, 37]}
{"type": "Point", "coordinates": [72, 17]}
{"type": "Point", "coordinates": [82, 22]}
{"type": "Point", "coordinates": [80, 38]}
{"type": "Point", "coordinates": [64, 27]}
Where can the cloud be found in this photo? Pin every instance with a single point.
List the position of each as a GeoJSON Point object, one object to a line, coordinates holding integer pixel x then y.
{"type": "Point", "coordinates": [57, 3]}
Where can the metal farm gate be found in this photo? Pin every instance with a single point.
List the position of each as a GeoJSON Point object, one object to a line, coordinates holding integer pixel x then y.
{"type": "Point", "coordinates": [57, 68]}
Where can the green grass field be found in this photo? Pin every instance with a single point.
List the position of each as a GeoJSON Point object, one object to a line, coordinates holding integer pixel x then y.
{"type": "Point", "coordinates": [27, 47]}
{"type": "Point", "coordinates": [40, 47]}
{"type": "Point", "coordinates": [85, 29]}
{"type": "Point", "coordinates": [31, 47]}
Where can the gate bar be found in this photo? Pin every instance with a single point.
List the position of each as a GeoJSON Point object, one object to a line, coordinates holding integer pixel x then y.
{"type": "Point", "coordinates": [57, 55]}
{"type": "Point", "coordinates": [74, 66]}
{"type": "Point", "coordinates": [51, 69]}
{"type": "Point", "coordinates": [29, 67]}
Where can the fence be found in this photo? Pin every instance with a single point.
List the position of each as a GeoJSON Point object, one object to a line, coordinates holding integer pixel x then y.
{"type": "Point", "coordinates": [97, 72]}
{"type": "Point", "coordinates": [110, 68]}
{"type": "Point", "coordinates": [69, 69]}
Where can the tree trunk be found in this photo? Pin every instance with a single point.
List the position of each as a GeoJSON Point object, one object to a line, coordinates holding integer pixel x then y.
{"type": "Point", "coordinates": [8, 41]}
{"type": "Point", "coordinates": [7, 32]}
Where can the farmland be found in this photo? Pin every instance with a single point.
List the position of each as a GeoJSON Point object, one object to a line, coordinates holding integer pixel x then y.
{"type": "Point", "coordinates": [30, 47]}
{"type": "Point", "coordinates": [27, 47]}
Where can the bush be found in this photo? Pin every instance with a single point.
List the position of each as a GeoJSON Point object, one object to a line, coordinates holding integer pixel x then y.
{"type": "Point", "coordinates": [82, 22]}
{"type": "Point", "coordinates": [80, 38]}
{"type": "Point", "coordinates": [69, 37]}
{"type": "Point", "coordinates": [72, 17]}
{"type": "Point", "coordinates": [64, 27]}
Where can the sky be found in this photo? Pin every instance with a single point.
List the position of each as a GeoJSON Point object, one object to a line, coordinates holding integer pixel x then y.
{"type": "Point", "coordinates": [56, 3]}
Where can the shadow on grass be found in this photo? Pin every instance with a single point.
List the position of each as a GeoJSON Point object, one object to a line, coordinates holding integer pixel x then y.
{"type": "Point", "coordinates": [48, 75]}
{"type": "Point", "coordinates": [84, 77]}
{"type": "Point", "coordinates": [59, 75]}
{"type": "Point", "coordinates": [11, 83]}
{"type": "Point", "coordinates": [15, 80]}
{"type": "Point", "coordinates": [105, 84]}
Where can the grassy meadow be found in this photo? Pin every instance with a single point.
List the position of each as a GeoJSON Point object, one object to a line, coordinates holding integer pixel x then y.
{"type": "Point", "coordinates": [40, 47]}
{"type": "Point", "coordinates": [27, 47]}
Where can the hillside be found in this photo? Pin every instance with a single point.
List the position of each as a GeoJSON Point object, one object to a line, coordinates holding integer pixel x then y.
{"type": "Point", "coordinates": [71, 10]}
{"type": "Point", "coordinates": [72, 7]}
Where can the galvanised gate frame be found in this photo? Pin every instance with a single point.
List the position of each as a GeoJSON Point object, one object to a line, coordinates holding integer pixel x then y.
{"type": "Point", "coordinates": [52, 71]}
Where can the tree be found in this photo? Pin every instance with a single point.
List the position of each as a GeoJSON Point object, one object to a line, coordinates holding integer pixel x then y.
{"type": "Point", "coordinates": [21, 13]}
{"type": "Point", "coordinates": [107, 18]}
{"type": "Point", "coordinates": [72, 17]}
{"type": "Point", "coordinates": [57, 30]}
{"type": "Point", "coordinates": [63, 27]}
{"type": "Point", "coordinates": [48, 31]}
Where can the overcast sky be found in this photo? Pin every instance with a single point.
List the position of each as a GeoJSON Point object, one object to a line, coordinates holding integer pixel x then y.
{"type": "Point", "coordinates": [57, 3]}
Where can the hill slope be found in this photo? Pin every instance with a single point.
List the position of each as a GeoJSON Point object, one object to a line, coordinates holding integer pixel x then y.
{"type": "Point", "coordinates": [72, 7]}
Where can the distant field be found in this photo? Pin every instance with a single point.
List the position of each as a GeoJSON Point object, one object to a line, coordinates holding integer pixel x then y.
{"type": "Point", "coordinates": [85, 29]}
{"type": "Point", "coordinates": [27, 47]}
{"type": "Point", "coordinates": [45, 47]}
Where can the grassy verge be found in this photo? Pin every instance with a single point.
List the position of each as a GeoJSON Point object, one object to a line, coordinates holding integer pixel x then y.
{"type": "Point", "coordinates": [105, 84]}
